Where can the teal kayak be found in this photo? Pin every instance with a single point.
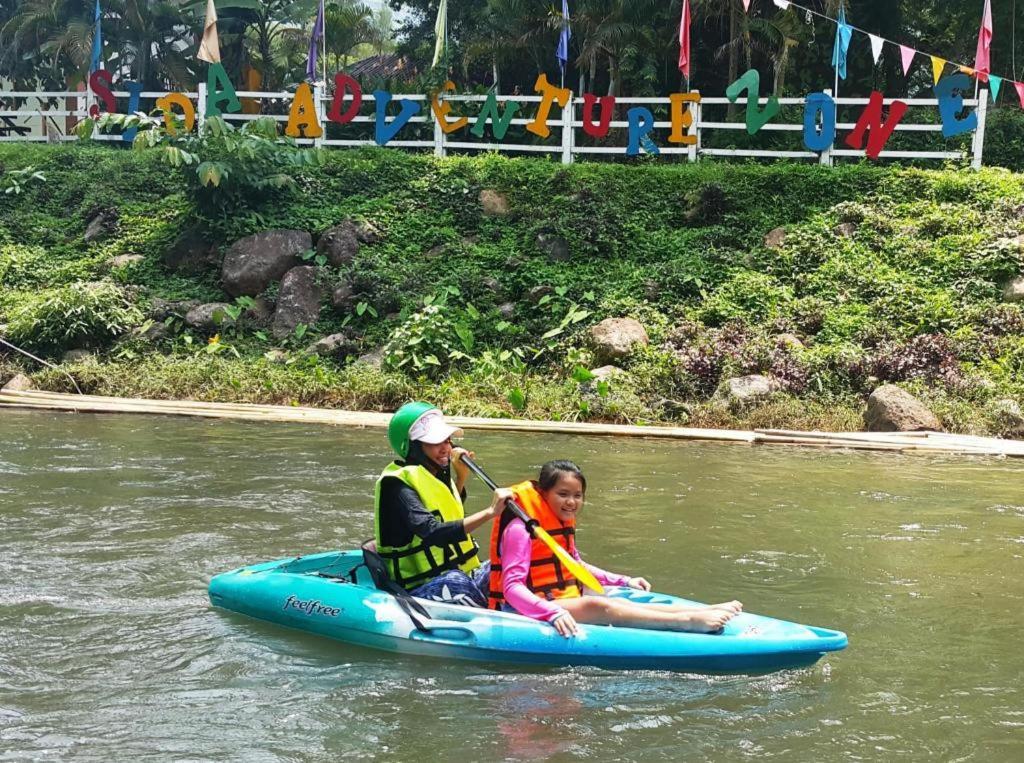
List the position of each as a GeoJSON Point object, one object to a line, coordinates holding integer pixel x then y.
{"type": "Point", "coordinates": [332, 595]}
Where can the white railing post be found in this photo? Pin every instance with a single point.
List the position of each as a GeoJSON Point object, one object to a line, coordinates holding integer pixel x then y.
{"type": "Point", "coordinates": [825, 159]}
{"type": "Point", "coordinates": [201, 107]}
{"type": "Point", "coordinates": [318, 109]}
{"type": "Point", "coordinates": [439, 150]}
{"type": "Point", "coordinates": [693, 131]}
{"type": "Point", "coordinates": [567, 130]}
{"type": "Point", "coordinates": [978, 142]}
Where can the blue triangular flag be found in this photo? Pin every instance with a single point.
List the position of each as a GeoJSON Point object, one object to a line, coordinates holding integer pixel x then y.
{"type": "Point", "coordinates": [844, 33]}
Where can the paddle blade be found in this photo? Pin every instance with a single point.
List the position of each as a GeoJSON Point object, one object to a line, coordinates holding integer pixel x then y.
{"type": "Point", "coordinates": [580, 572]}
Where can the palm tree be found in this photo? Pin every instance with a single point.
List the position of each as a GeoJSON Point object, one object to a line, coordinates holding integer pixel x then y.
{"type": "Point", "coordinates": [54, 37]}
{"type": "Point", "coordinates": [608, 28]}
{"type": "Point", "coordinates": [347, 24]}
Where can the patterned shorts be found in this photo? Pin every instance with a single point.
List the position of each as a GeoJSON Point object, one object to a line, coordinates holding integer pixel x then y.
{"type": "Point", "coordinates": [456, 587]}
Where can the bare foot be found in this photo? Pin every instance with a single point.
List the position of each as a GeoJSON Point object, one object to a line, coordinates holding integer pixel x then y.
{"type": "Point", "coordinates": [707, 620]}
{"type": "Point", "coordinates": [729, 606]}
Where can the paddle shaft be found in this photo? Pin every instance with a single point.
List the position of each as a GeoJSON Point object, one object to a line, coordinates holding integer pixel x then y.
{"type": "Point", "coordinates": [577, 569]}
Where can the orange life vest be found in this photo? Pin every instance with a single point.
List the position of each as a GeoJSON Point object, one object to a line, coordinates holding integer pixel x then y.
{"type": "Point", "coordinates": [547, 577]}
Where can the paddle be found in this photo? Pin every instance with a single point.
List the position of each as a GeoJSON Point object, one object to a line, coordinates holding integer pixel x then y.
{"type": "Point", "coordinates": [578, 570]}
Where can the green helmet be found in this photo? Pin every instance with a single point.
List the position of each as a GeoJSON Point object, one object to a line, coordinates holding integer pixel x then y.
{"type": "Point", "coordinates": [401, 423]}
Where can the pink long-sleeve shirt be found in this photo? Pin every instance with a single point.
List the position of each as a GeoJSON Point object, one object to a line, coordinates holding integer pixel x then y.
{"type": "Point", "coordinates": [515, 566]}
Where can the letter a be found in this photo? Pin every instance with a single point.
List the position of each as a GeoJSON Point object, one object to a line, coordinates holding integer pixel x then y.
{"type": "Point", "coordinates": [302, 115]}
{"type": "Point", "coordinates": [217, 77]}
{"type": "Point", "coordinates": [871, 119]}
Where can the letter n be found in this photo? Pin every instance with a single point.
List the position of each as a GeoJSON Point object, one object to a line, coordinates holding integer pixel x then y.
{"type": "Point", "coordinates": [871, 119]}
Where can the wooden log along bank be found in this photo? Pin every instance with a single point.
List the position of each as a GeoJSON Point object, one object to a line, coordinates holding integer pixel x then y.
{"type": "Point", "coordinates": [903, 442]}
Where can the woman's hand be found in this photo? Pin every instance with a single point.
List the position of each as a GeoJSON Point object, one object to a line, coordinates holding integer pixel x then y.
{"type": "Point", "coordinates": [461, 470]}
{"type": "Point", "coordinates": [566, 625]}
{"type": "Point", "coordinates": [501, 495]}
{"type": "Point", "coordinates": [639, 583]}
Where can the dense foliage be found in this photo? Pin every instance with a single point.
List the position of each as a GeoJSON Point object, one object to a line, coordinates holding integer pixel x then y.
{"type": "Point", "coordinates": [884, 275]}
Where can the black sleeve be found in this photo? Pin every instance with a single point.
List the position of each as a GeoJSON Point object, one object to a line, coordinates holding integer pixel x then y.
{"type": "Point", "coordinates": [404, 515]}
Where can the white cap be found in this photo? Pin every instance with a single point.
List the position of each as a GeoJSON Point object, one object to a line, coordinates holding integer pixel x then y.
{"type": "Point", "coordinates": [432, 429]}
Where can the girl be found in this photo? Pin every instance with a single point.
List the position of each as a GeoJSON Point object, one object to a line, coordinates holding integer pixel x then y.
{"type": "Point", "coordinates": [526, 577]}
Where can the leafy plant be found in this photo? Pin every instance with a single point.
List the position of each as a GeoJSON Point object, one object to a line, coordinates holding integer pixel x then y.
{"type": "Point", "coordinates": [14, 181]}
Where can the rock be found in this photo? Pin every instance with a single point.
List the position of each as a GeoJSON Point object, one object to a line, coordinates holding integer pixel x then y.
{"type": "Point", "coordinates": [491, 283]}
{"type": "Point", "coordinates": [339, 244]}
{"type": "Point", "coordinates": [260, 314]}
{"type": "Point", "coordinates": [495, 203]}
{"type": "Point", "coordinates": [1014, 290]}
{"type": "Point", "coordinates": [190, 254]}
{"type": "Point", "coordinates": [605, 373]}
{"type": "Point", "coordinates": [162, 309]}
{"type": "Point", "coordinates": [298, 301]}
{"type": "Point", "coordinates": [507, 310]}
{"type": "Point", "coordinates": [342, 298]}
{"type": "Point", "coordinates": [19, 383]}
{"type": "Point", "coordinates": [279, 357]}
{"type": "Point", "coordinates": [368, 233]}
{"type": "Point", "coordinates": [652, 290]}
{"type": "Point", "coordinates": [435, 251]}
{"type": "Point", "coordinates": [892, 409]}
{"type": "Point", "coordinates": [76, 356]}
{"type": "Point", "coordinates": [792, 341]}
{"type": "Point", "coordinates": [1009, 418]}
{"type": "Point", "coordinates": [124, 260]}
{"type": "Point", "coordinates": [615, 338]}
{"type": "Point", "coordinates": [537, 292]}
{"type": "Point", "coordinates": [210, 317]}
{"type": "Point", "coordinates": [741, 391]}
{"type": "Point", "coordinates": [775, 238]}
{"type": "Point", "coordinates": [157, 332]}
{"type": "Point", "coordinates": [846, 230]}
{"type": "Point", "coordinates": [335, 345]}
{"type": "Point", "coordinates": [555, 247]}
{"type": "Point", "coordinates": [676, 410]}
{"type": "Point", "coordinates": [373, 359]}
{"type": "Point", "coordinates": [252, 263]}
{"type": "Point", "coordinates": [101, 225]}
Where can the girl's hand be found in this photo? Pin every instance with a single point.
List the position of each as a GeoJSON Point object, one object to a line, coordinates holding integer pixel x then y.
{"type": "Point", "coordinates": [566, 625]}
{"type": "Point", "coordinates": [639, 583]}
{"type": "Point", "coordinates": [461, 470]}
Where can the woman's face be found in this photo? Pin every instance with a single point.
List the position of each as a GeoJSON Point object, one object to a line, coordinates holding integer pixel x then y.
{"type": "Point", "coordinates": [565, 497]}
{"type": "Point", "coordinates": [440, 454]}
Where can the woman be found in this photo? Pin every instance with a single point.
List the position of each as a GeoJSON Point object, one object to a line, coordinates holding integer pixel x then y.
{"type": "Point", "coordinates": [420, 527]}
{"type": "Point", "coordinates": [527, 578]}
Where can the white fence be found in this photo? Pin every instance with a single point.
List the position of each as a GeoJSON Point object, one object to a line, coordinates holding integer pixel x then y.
{"type": "Point", "coordinates": [566, 143]}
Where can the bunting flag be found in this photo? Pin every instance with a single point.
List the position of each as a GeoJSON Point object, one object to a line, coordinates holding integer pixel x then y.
{"type": "Point", "coordinates": [315, 41]}
{"type": "Point", "coordinates": [994, 83]}
{"type": "Point", "coordinates": [982, 59]}
{"type": "Point", "coordinates": [746, 6]}
{"type": "Point", "coordinates": [876, 46]}
{"type": "Point", "coordinates": [844, 32]}
{"type": "Point", "coordinates": [783, 4]}
{"type": "Point", "coordinates": [209, 48]}
{"type": "Point", "coordinates": [907, 54]}
{"type": "Point", "coordinates": [1019, 86]}
{"type": "Point", "coordinates": [684, 40]}
{"type": "Point", "coordinates": [440, 31]}
{"type": "Point", "coordinates": [938, 65]}
{"type": "Point", "coordinates": [97, 41]}
{"type": "Point", "coordinates": [562, 53]}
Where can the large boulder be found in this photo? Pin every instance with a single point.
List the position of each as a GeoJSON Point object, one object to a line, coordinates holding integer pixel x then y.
{"type": "Point", "coordinates": [615, 338]}
{"type": "Point", "coordinates": [162, 309]}
{"type": "Point", "coordinates": [775, 239]}
{"type": "Point", "coordinates": [1009, 419]}
{"type": "Point", "coordinates": [190, 254]}
{"type": "Point", "coordinates": [1014, 290]}
{"type": "Point", "coordinates": [368, 233]}
{"type": "Point", "coordinates": [892, 409]}
{"type": "Point", "coordinates": [343, 298]}
{"type": "Point", "coordinates": [555, 247]}
{"type": "Point", "coordinates": [333, 346]}
{"type": "Point", "coordinates": [339, 244]}
{"type": "Point", "coordinates": [743, 391]}
{"type": "Point", "coordinates": [298, 301]}
{"type": "Point", "coordinates": [19, 383]}
{"type": "Point", "coordinates": [253, 262]}
{"type": "Point", "coordinates": [210, 317]}
{"type": "Point", "coordinates": [101, 225]}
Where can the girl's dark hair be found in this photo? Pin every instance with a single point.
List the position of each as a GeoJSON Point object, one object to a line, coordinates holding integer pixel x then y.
{"type": "Point", "coordinates": [553, 470]}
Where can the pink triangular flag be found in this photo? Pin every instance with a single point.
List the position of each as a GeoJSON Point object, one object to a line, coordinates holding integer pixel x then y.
{"type": "Point", "coordinates": [746, 6]}
{"type": "Point", "coordinates": [1020, 92]}
{"type": "Point", "coordinates": [876, 46]}
{"type": "Point", "coordinates": [908, 58]}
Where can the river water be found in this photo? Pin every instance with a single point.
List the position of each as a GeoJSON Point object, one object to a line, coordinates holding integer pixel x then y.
{"type": "Point", "coordinates": [112, 526]}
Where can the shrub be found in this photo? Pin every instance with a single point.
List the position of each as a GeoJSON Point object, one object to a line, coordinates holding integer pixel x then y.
{"type": "Point", "coordinates": [53, 320]}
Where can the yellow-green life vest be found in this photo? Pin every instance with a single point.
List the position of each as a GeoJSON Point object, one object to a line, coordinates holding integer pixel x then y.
{"type": "Point", "coordinates": [416, 563]}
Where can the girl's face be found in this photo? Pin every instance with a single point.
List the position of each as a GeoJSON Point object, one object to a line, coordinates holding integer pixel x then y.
{"type": "Point", "coordinates": [440, 454]}
{"type": "Point", "coordinates": [565, 497]}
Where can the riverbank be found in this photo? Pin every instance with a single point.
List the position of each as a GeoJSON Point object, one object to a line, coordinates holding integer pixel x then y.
{"type": "Point", "coordinates": [708, 296]}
